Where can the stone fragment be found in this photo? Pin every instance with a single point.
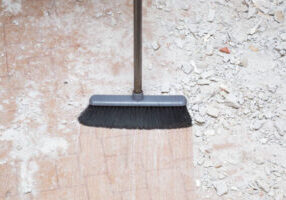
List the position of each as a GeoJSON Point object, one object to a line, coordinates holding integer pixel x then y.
{"type": "Point", "coordinates": [221, 188]}
{"type": "Point", "coordinates": [280, 126]}
{"type": "Point", "coordinates": [263, 140]}
{"type": "Point", "coordinates": [165, 88]}
{"type": "Point", "coordinates": [263, 185]}
{"type": "Point", "coordinates": [97, 15]}
{"type": "Point", "coordinates": [253, 48]}
{"type": "Point", "coordinates": [243, 62]}
{"type": "Point", "coordinates": [254, 29]}
{"type": "Point", "coordinates": [209, 50]}
{"type": "Point", "coordinates": [258, 159]}
{"type": "Point", "coordinates": [207, 74]}
{"type": "Point", "coordinates": [187, 68]}
{"type": "Point", "coordinates": [196, 69]}
{"type": "Point", "coordinates": [251, 12]}
{"type": "Point", "coordinates": [224, 88]}
{"type": "Point", "coordinates": [179, 43]}
{"type": "Point", "coordinates": [185, 7]}
{"type": "Point", "coordinates": [203, 82]}
{"type": "Point", "coordinates": [233, 188]}
{"type": "Point", "coordinates": [279, 16]}
{"type": "Point", "coordinates": [283, 36]}
{"type": "Point", "coordinates": [198, 133]}
{"type": "Point", "coordinates": [198, 183]}
{"type": "Point", "coordinates": [231, 101]}
{"type": "Point", "coordinates": [201, 161]}
{"type": "Point", "coordinates": [256, 125]}
{"type": "Point", "coordinates": [208, 163]}
{"type": "Point", "coordinates": [213, 111]}
{"type": "Point", "coordinates": [279, 195]}
{"type": "Point", "coordinates": [211, 15]}
{"type": "Point", "coordinates": [234, 60]}
{"type": "Point", "coordinates": [199, 119]}
{"type": "Point", "coordinates": [226, 59]}
{"type": "Point", "coordinates": [281, 47]}
{"type": "Point", "coordinates": [225, 50]}
{"type": "Point", "coordinates": [210, 132]}
{"type": "Point", "coordinates": [113, 21]}
{"type": "Point", "coordinates": [268, 114]}
{"type": "Point", "coordinates": [155, 45]}
{"type": "Point", "coordinates": [222, 175]}
{"type": "Point", "coordinates": [195, 107]}
{"type": "Point", "coordinates": [262, 5]}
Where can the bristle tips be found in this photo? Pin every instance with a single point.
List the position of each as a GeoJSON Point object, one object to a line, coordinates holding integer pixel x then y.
{"type": "Point", "coordinates": [136, 117]}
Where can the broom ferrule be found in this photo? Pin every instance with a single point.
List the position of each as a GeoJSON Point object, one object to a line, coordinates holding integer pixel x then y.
{"type": "Point", "coordinates": [138, 96]}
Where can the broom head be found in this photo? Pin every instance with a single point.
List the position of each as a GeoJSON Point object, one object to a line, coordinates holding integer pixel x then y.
{"type": "Point", "coordinates": [123, 111]}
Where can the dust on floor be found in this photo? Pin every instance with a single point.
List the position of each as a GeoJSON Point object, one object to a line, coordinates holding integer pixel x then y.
{"type": "Point", "coordinates": [54, 55]}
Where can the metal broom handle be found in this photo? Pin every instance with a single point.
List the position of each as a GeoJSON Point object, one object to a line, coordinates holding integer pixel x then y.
{"type": "Point", "coordinates": [137, 47]}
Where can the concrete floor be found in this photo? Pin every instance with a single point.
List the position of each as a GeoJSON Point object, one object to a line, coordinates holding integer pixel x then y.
{"type": "Point", "coordinates": [53, 56]}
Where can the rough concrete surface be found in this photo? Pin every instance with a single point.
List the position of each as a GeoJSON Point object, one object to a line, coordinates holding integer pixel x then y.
{"type": "Point", "coordinates": [228, 57]}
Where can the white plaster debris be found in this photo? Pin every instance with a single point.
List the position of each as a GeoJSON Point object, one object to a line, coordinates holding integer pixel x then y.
{"type": "Point", "coordinates": [211, 15]}
{"type": "Point", "coordinates": [209, 50]}
{"type": "Point", "coordinates": [198, 183]}
{"type": "Point", "coordinates": [283, 36]}
{"type": "Point", "coordinates": [231, 101]}
{"type": "Point", "coordinates": [252, 11]}
{"type": "Point", "coordinates": [280, 125]}
{"type": "Point", "coordinates": [12, 6]}
{"type": "Point", "coordinates": [207, 74]}
{"type": "Point", "coordinates": [187, 68]}
{"type": "Point", "coordinates": [247, 86]}
{"type": "Point", "coordinates": [27, 171]}
{"type": "Point", "coordinates": [210, 132]}
{"type": "Point", "coordinates": [221, 188]}
{"type": "Point", "coordinates": [155, 45]}
{"type": "Point", "coordinates": [165, 88]}
{"type": "Point", "coordinates": [279, 16]}
{"type": "Point", "coordinates": [262, 184]}
{"type": "Point", "coordinates": [262, 5]}
{"type": "Point", "coordinates": [255, 28]}
{"type": "Point", "coordinates": [256, 125]}
{"type": "Point", "coordinates": [203, 82]}
{"type": "Point", "coordinates": [29, 145]}
{"type": "Point", "coordinates": [199, 119]}
{"type": "Point", "coordinates": [213, 111]}
{"type": "Point", "coordinates": [243, 61]}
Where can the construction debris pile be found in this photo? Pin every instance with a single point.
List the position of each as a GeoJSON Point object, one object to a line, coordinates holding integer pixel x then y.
{"type": "Point", "coordinates": [234, 74]}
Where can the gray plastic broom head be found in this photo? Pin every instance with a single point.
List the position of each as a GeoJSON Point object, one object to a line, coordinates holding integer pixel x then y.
{"type": "Point", "coordinates": [140, 101]}
{"type": "Point", "coordinates": [136, 112]}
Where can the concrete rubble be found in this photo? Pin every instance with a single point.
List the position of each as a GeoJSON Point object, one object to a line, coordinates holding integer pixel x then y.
{"type": "Point", "coordinates": [233, 73]}
{"type": "Point", "coordinates": [221, 188]}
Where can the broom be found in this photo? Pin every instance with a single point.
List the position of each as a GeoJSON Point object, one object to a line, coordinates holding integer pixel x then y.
{"type": "Point", "coordinates": [137, 111]}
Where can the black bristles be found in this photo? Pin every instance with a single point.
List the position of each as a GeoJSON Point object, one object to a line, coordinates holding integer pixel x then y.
{"type": "Point", "coordinates": [136, 117]}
